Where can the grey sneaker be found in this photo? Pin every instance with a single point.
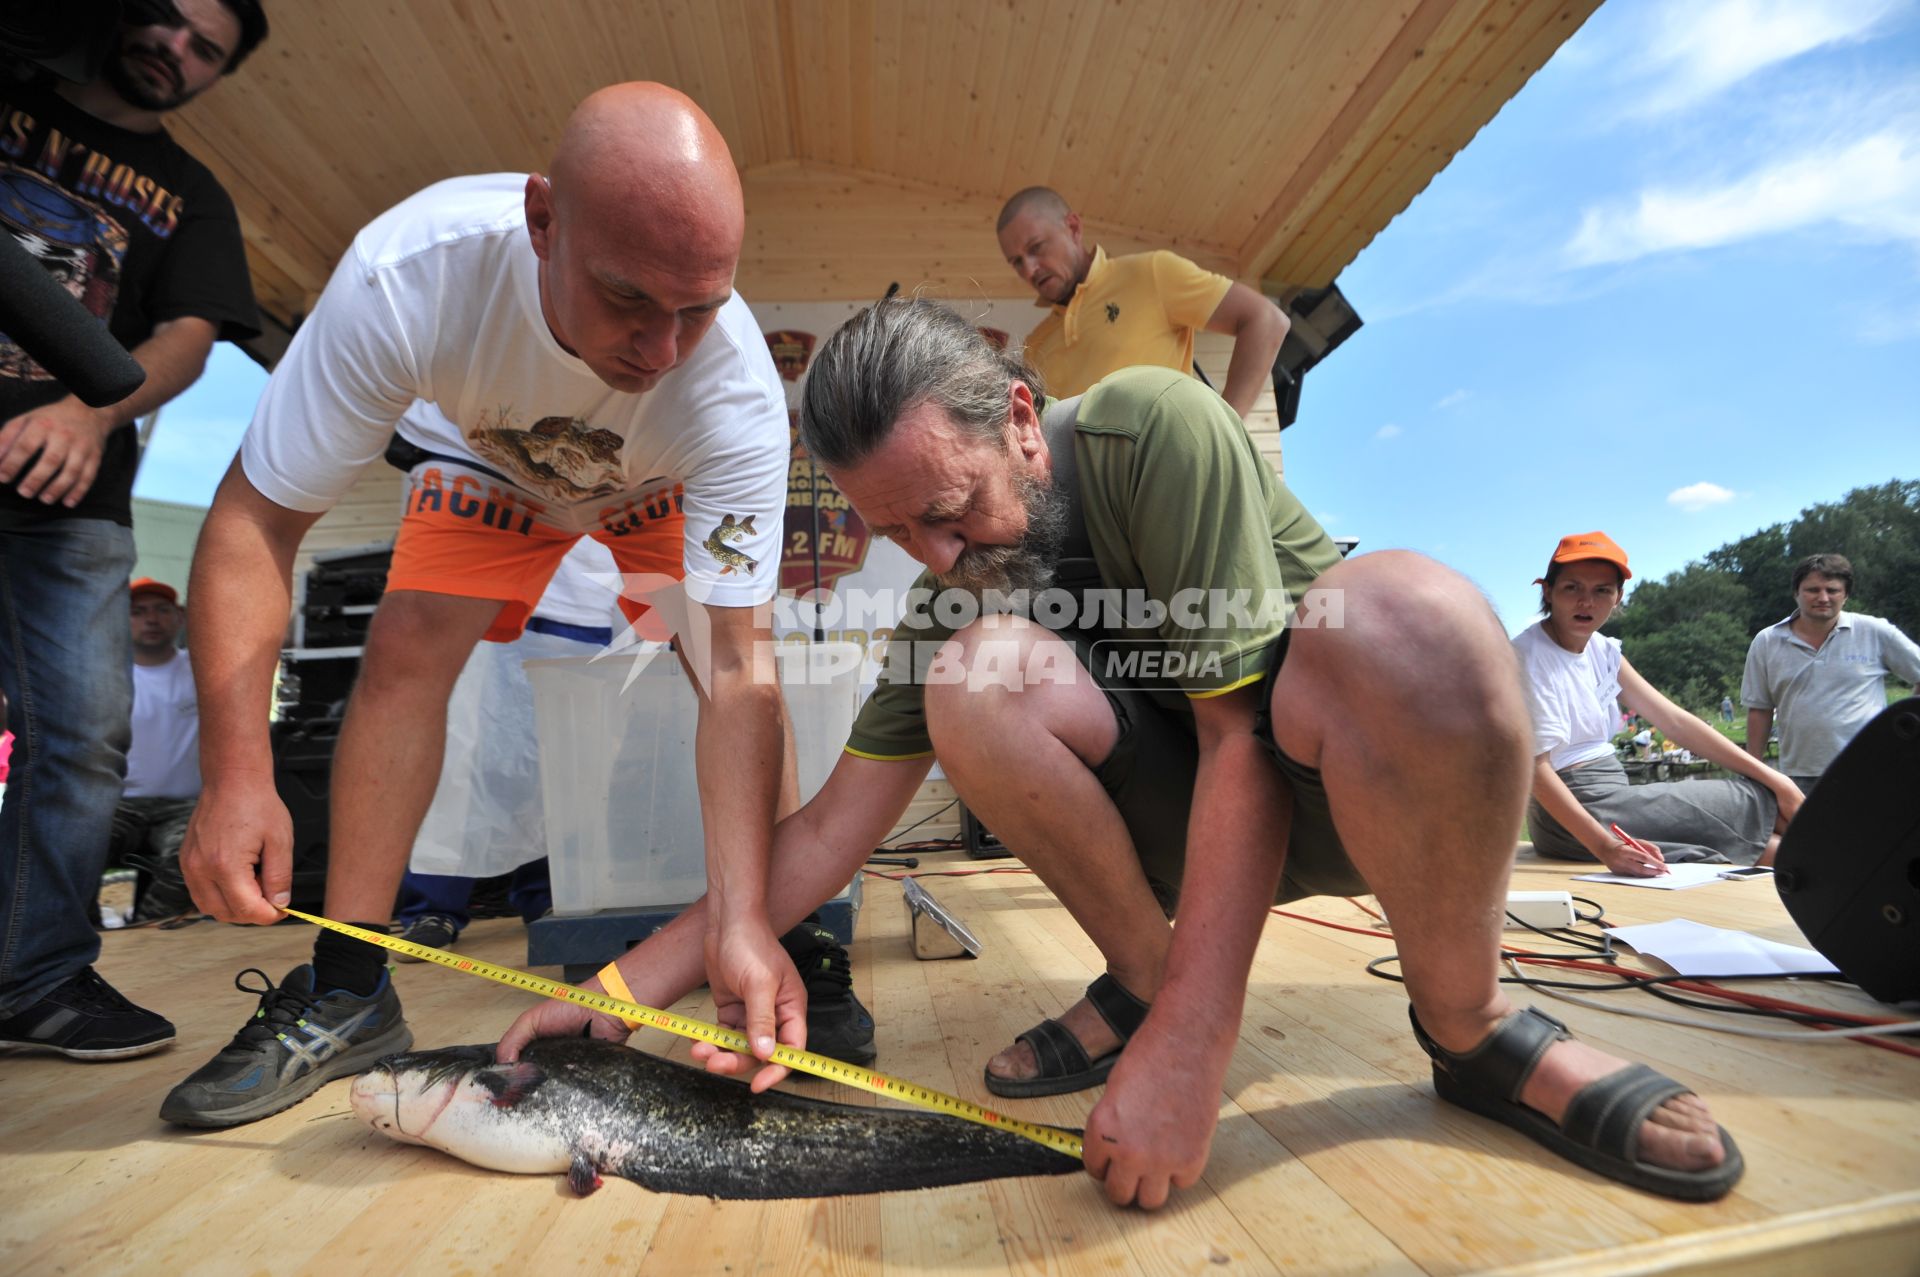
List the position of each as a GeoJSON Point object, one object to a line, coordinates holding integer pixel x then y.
{"type": "Point", "coordinates": [294, 1044]}
{"type": "Point", "coordinates": [434, 930]}
{"type": "Point", "coordinates": [85, 1018]}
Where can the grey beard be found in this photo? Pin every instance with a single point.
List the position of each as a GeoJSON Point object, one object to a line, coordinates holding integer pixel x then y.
{"type": "Point", "coordinates": [1029, 563]}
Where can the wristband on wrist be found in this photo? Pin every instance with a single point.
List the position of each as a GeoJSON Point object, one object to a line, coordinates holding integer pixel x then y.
{"type": "Point", "coordinates": [616, 984]}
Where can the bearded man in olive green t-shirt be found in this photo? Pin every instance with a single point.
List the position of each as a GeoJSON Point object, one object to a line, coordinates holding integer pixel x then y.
{"type": "Point", "coordinates": [1146, 668]}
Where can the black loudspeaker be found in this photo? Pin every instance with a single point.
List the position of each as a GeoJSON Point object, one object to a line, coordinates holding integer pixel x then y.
{"type": "Point", "coordinates": [302, 772]}
{"type": "Point", "coordinates": [1848, 869]}
{"type": "Point", "coordinates": [979, 841]}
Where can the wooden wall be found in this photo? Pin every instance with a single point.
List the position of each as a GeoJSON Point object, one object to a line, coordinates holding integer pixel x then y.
{"type": "Point", "coordinates": [1212, 351]}
{"type": "Point", "coordinates": [1278, 136]}
{"type": "Point", "coordinates": [820, 233]}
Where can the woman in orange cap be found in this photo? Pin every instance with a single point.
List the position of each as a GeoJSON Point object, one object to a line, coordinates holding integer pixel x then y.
{"type": "Point", "coordinates": [1583, 806]}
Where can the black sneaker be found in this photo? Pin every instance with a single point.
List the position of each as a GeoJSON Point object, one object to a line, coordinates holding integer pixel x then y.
{"type": "Point", "coordinates": [294, 1044]}
{"type": "Point", "coordinates": [85, 1018]}
{"type": "Point", "coordinates": [434, 930]}
{"type": "Point", "coordinates": [837, 1025]}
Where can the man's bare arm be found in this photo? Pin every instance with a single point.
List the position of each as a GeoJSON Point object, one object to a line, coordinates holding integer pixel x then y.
{"type": "Point", "coordinates": [739, 751]}
{"type": "Point", "coordinates": [241, 590]}
{"type": "Point", "coordinates": [70, 436]}
{"type": "Point", "coordinates": [1759, 727]}
{"type": "Point", "coordinates": [816, 851]}
{"type": "Point", "coordinates": [1151, 1131]}
{"type": "Point", "coordinates": [1257, 327]}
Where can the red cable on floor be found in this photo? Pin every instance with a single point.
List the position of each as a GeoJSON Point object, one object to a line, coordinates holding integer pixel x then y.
{"type": "Point", "coordinates": [1690, 986]}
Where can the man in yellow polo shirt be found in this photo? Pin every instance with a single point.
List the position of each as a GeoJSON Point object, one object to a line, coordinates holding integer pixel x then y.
{"type": "Point", "coordinates": [1114, 313]}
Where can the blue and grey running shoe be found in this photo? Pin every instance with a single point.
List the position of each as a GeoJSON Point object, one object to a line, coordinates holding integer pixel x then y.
{"type": "Point", "coordinates": [294, 1044]}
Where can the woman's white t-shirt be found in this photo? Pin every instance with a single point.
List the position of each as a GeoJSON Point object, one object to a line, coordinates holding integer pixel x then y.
{"type": "Point", "coordinates": [1574, 696]}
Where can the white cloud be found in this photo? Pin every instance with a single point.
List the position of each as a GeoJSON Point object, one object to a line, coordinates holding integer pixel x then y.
{"type": "Point", "coordinates": [1388, 431]}
{"type": "Point", "coordinates": [1326, 518]}
{"type": "Point", "coordinates": [1870, 187]}
{"type": "Point", "coordinates": [1696, 50]}
{"type": "Point", "coordinates": [1696, 497]}
{"type": "Point", "coordinates": [1884, 325]}
{"type": "Point", "coordinates": [1453, 400]}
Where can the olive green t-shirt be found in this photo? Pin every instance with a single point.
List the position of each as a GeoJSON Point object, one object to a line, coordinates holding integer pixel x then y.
{"type": "Point", "coordinates": [1202, 553]}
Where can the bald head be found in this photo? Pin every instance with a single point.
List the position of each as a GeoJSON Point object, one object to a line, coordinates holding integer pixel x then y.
{"type": "Point", "coordinates": [1040, 238]}
{"type": "Point", "coordinates": [1042, 201]}
{"type": "Point", "coordinates": [638, 230]}
{"type": "Point", "coordinates": [642, 159]}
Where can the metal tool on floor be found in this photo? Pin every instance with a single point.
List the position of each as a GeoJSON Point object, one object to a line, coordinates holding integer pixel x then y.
{"type": "Point", "coordinates": [936, 933]}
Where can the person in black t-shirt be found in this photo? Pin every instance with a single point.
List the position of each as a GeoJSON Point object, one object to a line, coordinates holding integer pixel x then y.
{"type": "Point", "coordinates": [146, 239]}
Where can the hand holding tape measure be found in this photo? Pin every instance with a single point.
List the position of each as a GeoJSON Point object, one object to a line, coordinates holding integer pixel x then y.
{"type": "Point", "coordinates": [633, 1013]}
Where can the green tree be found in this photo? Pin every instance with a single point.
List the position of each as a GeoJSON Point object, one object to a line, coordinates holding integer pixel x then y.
{"type": "Point", "coordinates": [1762, 562]}
{"type": "Point", "coordinates": [1693, 592]}
{"type": "Point", "coordinates": [1694, 661]}
{"type": "Point", "coordinates": [1688, 632]}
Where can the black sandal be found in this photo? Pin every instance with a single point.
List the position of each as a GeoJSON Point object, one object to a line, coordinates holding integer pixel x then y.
{"type": "Point", "coordinates": [1602, 1125]}
{"type": "Point", "coordinates": [1064, 1063]}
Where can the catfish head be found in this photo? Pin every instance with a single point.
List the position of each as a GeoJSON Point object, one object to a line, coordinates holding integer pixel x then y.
{"type": "Point", "coordinates": [460, 1101]}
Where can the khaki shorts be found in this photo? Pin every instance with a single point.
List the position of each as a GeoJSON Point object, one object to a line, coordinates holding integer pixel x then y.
{"type": "Point", "coordinates": [1150, 777]}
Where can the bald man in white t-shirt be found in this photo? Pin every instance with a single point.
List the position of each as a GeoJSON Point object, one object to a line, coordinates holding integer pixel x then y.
{"type": "Point", "coordinates": [580, 334]}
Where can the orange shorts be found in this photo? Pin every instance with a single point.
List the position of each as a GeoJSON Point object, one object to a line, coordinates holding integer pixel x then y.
{"type": "Point", "coordinates": [464, 536]}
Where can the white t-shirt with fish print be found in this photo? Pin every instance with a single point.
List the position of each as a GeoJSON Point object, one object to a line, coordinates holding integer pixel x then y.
{"type": "Point", "coordinates": [438, 299]}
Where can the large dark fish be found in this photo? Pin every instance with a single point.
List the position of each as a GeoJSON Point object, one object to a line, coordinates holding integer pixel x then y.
{"type": "Point", "coordinates": [590, 1108]}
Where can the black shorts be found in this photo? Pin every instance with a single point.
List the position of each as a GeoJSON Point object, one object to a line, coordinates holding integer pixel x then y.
{"type": "Point", "coordinates": [1150, 777]}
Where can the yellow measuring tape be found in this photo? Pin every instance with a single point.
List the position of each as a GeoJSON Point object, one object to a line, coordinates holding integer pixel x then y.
{"type": "Point", "coordinates": [805, 1061]}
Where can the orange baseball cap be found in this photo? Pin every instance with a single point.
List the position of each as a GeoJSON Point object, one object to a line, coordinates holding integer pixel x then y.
{"type": "Point", "coordinates": [1582, 546]}
{"type": "Point", "coordinates": [147, 585]}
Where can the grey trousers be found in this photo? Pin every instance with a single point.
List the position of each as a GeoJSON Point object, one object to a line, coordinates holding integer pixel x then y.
{"type": "Point", "coordinates": [1711, 820]}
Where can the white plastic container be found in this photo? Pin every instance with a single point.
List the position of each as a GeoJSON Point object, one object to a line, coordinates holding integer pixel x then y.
{"type": "Point", "coordinates": [617, 774]}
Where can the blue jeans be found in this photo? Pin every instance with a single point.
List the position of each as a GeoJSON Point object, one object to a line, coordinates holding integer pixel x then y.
{"type": "Point", "coordinates": [528, 891]}
{"type": "Point", "coordinates": [66, 665]}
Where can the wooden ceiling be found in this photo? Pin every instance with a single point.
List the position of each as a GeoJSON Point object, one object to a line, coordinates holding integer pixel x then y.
{"type": "Point", "coordinates": [1271, 139]}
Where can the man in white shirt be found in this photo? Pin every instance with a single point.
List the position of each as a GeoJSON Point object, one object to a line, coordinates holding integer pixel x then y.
{"type": "Point", "coordinates": [579, 332]}
{"type": "Point", "coordinates": [163, 760]}
{"type": "Point", "coordinates": [1823, 669]}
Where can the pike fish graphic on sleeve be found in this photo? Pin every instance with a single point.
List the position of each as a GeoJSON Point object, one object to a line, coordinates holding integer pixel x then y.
{"type": "Point", "coordinates": [728, 557]}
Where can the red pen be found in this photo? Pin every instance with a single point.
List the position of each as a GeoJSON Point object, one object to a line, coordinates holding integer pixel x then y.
{"type": "Point", "coordinates": [1637, 845]}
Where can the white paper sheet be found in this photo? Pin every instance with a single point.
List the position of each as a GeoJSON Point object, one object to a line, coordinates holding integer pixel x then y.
{"type": "Point", "coordinates": [1692, 948]}
{"type": "Point", "coordinates": [1677, 878]}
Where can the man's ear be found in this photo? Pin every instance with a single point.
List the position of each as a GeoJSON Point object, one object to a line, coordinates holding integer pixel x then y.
{"type": "Point", "coordinates": [539, 205]}
{"type": "Point", "coordinates": [1073, 228]}
{"type": "Point", "coordinates": [1023, 419]}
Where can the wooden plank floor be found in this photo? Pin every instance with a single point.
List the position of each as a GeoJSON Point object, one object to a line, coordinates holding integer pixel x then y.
{"type": "Point", "coordinates": [1333, 1156]}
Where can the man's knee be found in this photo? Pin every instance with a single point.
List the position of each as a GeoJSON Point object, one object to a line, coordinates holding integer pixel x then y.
{"type": "Point", "coordinates": [418, 640]}
{"type": "Point", "coordinates": [974, 672]}
{"type": "Point", "coordinates": [1005, 679]}
{"type": "Point", "coordinates": [1401, 628]}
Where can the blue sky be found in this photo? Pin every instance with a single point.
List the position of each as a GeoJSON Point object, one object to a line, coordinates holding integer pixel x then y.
{"type": "Point", "coordinates": [1672, 291]}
